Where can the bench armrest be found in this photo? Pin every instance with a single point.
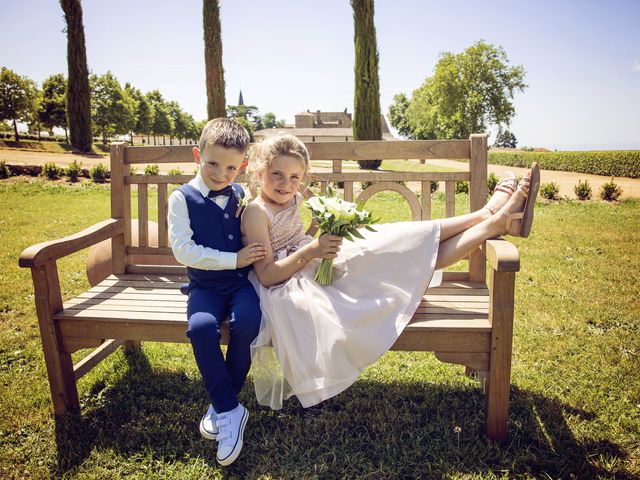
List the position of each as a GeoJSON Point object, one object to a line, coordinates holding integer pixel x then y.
{"type": "Point", "coordinates": [502, 255]}
{"type": "Point", "coordinates": [41, 253]}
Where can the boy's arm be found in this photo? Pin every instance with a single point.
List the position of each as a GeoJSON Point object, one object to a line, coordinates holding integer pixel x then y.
{"type": "Point", "coordinates": [186, 251]}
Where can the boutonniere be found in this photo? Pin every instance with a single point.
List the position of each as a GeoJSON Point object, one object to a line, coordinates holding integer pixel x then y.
{"type": "Point", "coordinates": [242, 203]}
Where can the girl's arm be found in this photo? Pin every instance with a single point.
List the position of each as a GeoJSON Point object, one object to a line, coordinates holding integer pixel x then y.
{"type": "Point", "coordinates": [255, 226]}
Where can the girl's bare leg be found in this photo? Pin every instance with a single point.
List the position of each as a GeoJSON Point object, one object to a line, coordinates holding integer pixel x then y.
{"type": "Point", "coordinates": [454, 225]}
{"type": "Point", "coordinates": [460, 245]}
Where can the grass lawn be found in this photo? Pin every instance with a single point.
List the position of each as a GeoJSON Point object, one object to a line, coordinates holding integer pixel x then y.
{"type": "Point", "coordinates": [575, 398]}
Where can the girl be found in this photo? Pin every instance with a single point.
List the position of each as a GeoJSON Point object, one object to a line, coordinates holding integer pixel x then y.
{"type": "Point", "coordinates": [315, 340]}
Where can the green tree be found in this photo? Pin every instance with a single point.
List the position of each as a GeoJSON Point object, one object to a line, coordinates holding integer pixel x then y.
{"type": "Point", "coordinates": [53, 109]}
{"type": "Point", "coordinates": [398, 115]}
{"type": "Point", "coordinates": [112, 109]}
{"type": "Point", "coordinates": [213, 59]}
{"type": "Point", "coordinates": [162, 121]}
{"type": "Point", "coordinates": [367, 120]}
{"type": "Point", "coordinates": [467, 93]}
{"type": "Point", "coordinates": [33, 116]}
{"type": "Point", "coordinates": [269, 121]}
{"type": "Point", "coordinates": [247, 116]}
{"type": "Point", "coordinates": [505, 139]}
{"type": "Point", "coordinates": [191, 128]}
{"type": "Point", "coordinates": [179, 129]}
{"type": "Point", "coordinates": [18, 98]}
{"type": "Point", "coordinates": [144, 111]}
{"type": "Point", "coordinates": [78, 92]}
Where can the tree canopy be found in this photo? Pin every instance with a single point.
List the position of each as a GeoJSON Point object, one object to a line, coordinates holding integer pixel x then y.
{"type": "Point", "coordinates": [53, 108]}
{"type": "Point", "coordinates": [213, 59]}
{"type": "Point", "coordinates": [367, 122]}
{"type": "Point", "coordinates": [78, 90]}
{"type": "Point", "coordinates": [18, 97]}
{"type": "Point", "coordinates": [112, 110]}
{"type": "Point", "coordinates": [467, 93]}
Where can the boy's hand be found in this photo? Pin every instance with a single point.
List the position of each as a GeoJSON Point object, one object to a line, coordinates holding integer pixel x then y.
{"type": "Point", "coordinates": [249, 254]}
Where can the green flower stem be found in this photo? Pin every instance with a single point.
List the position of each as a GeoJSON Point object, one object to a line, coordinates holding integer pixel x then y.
{"type": "Point", "coordinates": [325, 271]}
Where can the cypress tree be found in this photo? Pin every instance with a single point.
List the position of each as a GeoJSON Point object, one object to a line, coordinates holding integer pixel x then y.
{"type": "Point", "coordinates": [216, 103]}
{"type": "Point", "coordinates": [366, 122]}
{"type": "Point", "coordinates": [78, 96]}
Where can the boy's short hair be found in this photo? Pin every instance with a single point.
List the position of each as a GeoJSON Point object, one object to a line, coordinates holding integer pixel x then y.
{"type": "Point", "coordinates": [225, 132]}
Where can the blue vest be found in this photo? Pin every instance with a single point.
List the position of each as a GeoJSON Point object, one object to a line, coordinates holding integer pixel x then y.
{"type": "Point", "coordinates": [219, 229]}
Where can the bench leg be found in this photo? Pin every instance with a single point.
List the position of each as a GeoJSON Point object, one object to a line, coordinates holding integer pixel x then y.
{"type": "Point", "coordinates": [497, 384]}
{"type": "Point", "coordinates": [131, 346]}
{"type": "Point", "coordinates": [59, 364]}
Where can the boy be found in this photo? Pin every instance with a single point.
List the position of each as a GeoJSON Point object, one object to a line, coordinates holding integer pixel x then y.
{"type": "Point", "coordinates": [204, 230]}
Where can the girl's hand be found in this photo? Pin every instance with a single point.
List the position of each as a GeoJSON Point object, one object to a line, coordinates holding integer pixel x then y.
{"type": "Point", "coordinates": [328, 246]}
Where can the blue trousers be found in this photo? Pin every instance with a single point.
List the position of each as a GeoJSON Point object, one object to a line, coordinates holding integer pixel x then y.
{"type": "Point", "coordinates": [206, 310]}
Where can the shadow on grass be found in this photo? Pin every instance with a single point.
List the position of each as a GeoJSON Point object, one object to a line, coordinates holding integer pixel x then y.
{"type": "Point", "coordinates": [374, 430]}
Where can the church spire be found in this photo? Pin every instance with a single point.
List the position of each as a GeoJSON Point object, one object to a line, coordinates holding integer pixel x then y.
{"type": "Point", "coordinates": [240, 100]}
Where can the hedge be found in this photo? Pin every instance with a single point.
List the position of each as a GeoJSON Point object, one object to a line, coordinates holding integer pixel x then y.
{"type": "Point", "coordinates": [610, 163]}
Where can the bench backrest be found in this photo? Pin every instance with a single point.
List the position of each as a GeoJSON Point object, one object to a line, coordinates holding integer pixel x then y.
{"type": "Point", "coordinates": [123, 157]}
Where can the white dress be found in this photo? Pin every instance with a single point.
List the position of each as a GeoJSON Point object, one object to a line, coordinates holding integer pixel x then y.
{"type": "Point", "coordinates": [315, 340]}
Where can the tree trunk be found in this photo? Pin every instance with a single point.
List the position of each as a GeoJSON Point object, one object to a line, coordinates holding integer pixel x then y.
{"type": "Point", "coordinates": [66, 135]}
{"type": "Point", "coordinates": [78, 94]}
{"type": "Point", "coordinates": [367, 120]}
{"type": "Point", "coordinates": [15, 130]}
{"type": "Point", "coordinates": [216, 103]}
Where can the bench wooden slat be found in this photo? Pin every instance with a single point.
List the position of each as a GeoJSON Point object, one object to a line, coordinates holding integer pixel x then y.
{"type": "Point", "coordinates": [143, 215]}
{"type": "Point", "coordinates": [121, 301]}
{"type": "Point", "coordinates": [134, 296]}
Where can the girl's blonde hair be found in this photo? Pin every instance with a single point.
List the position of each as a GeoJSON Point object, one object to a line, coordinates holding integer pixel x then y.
{"type": "Point", "coordinates": [262, 153]}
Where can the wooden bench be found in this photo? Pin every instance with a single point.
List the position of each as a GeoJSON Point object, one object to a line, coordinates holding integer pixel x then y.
{"type": "Point", "coordinates": [467, 320]}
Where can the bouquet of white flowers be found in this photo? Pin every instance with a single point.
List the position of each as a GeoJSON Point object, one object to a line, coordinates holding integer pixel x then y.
{"type": "Point", "coordinates": [337, 217]}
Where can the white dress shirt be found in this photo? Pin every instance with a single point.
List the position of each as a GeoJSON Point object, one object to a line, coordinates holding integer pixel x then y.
{"type": "Point", "coordinates": [186, 251]}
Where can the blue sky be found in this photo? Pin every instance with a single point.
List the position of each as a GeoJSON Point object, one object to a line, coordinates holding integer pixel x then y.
{"type": "Point", "coordinates": [582, 58]}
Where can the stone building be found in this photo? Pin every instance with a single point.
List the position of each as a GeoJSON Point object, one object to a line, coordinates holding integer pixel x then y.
{"type": "Point", "coordinates": [321, 127]}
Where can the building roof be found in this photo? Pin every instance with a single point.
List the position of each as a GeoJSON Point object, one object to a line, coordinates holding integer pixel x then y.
{"type": "Point", "coordinates": [338, 133]}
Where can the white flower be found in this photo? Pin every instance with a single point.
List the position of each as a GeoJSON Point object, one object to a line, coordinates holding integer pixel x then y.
{"type": "Point", "coordinates": [315, 204]}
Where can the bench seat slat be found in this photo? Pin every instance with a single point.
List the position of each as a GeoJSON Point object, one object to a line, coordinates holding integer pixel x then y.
{"type": "Point", "coordinates": [151, 307]}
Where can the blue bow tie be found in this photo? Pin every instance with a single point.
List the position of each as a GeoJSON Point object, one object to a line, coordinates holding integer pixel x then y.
{"type": "Point", "coordinates": [226, 191]}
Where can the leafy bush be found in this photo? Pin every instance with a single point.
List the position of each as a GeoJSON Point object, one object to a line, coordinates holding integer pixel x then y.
{"type": "Point", "coordinates": [4, 170]}
{"type": "Point", "coordinates": [583, 190]}
{"type": "Point", "coordinates": [369, 164]}
{"type": "Point", "coordinates": [99, 173]}
{"type": "Point", "coordinates": [73, 171]}
{"type": "Point", "coordinates": [133, 170]}
{"type": "Point", "coordinates": [175, 171]}
{"type": "Point", "coordinates": [462, 187]}
{"type": "Point", "coordinates": [152, 170]}
{"type": "Point", "coordinates": [550, 191]}
{"type": "Point", "coordinates": [52, 171]}
{"type": "Point", "coordinates": [619, 163]}
{"type": "Point", "coordinates": [492, 181]}
{"type": "Point", "coordinates": [610, 191]}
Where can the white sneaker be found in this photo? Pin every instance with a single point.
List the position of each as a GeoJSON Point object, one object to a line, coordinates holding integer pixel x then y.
{"type": "Point", "coordinates": [231, 427]}
{"type": "Point", "coordinates": [208, 427]}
